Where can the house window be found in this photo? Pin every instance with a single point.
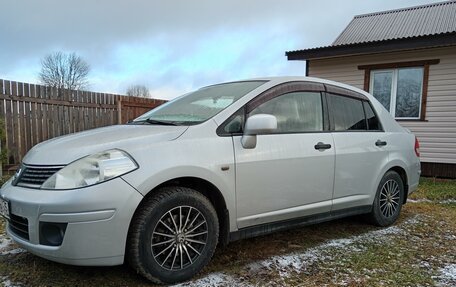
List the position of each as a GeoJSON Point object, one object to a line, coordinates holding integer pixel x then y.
{"type": "Point", "coordinates": [400, 90]}
{"type": "Point", "coordinates": [401, 87]}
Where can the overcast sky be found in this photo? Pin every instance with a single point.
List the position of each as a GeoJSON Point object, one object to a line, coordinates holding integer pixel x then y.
{"type": "Point", "coordinates": [172, 46]}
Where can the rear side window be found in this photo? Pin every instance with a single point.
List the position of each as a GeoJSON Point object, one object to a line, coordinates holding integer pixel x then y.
{"type": "Point", "coordinates": [348, 113]}
{"type": "Point", "coordinates": [373, 123]}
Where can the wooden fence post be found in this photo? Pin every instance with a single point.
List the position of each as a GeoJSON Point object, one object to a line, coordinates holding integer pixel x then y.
{"type": "Point", "coordinates": [119, 111]}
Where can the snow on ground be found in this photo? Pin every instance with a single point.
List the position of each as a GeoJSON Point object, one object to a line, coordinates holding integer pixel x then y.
{"type": "Point", "coordinates": [12, 251]}
{"type": "Point", "coordinates": [448, 201]}
{"type": "Point", "coordinates": [214, 279]}
{"type": "Point", "coordinates": [445, 201]}
{"type": "Point", "coordinates": [7, 283]}
{"type": "Point", "coordinates": [4, 242]}
{"type": "Point", "coordinates": [418, 200]}
{"type": "Point", "coordinates": [447, 276]}
{"type": "Point", "coordinates": [7, 247]}
{"type": "Point", "coordinates": [288, 264]}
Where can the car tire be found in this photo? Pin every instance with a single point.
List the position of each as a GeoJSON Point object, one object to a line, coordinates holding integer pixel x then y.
{"type": "Point", "coordinates": [173, 235]}
{"type": "Point", "coordinates": [388, 200]}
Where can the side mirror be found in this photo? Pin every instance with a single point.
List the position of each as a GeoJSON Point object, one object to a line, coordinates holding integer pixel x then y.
{"type": "Point", "coordinates": [255, 125]}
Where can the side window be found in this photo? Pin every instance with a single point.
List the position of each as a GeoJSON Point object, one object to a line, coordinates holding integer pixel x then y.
{"type": "Point", "coordinates": [348, 113]}
{"type": "Point", "coordinates": [373, 123]}
{"type": "Point", "coordinates": [295, 112]}
{"type": "Point", "coordinates": [235, 123]}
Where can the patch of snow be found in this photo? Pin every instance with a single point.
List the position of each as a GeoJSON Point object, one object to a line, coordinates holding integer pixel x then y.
{"type": "Point", "coordinates": [418, 200]}
{"type": "Point", "coordinates": [4, 242]}
{"type": "Point", "coordinates": [450, 237]}
{"type": "Point", "coordinates": [12, 251]}
{"type": "Point", "coordinates": [339, 242]}
{"type": "Point", "coordinates": [7, 283]}
{"type": "Point", "coordinates": [286, 265]}
{"type": "Point", "coordinates": [392, 230]}
{"type": "Point", "coordinates": [424, 264]}
{"type": "Point", "coordinates": [421, 200]}
{"type": "Point", "coordinates": [213, 279]}
{"type": "Point", "coordinates": [448, 201]}
{"type": "Point", "coordinates": [447, 276]}
{"type": "Point", "coordinates": [7, 247]}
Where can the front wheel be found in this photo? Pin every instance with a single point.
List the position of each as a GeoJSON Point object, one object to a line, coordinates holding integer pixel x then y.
{"type": "Point", "coordinates": [388, 200]}
{"type": "Point", "coordinates": [173, 235]}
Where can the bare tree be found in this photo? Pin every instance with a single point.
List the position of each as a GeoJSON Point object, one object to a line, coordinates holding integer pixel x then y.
{"type": "Point", "coordinates": [64, 70]}
{"type": "Point", "coordinates": [138, 91]}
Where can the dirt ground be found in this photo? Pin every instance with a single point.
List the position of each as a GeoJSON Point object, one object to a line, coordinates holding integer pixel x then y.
{"type": "Point", "coordinates": [420, 250]}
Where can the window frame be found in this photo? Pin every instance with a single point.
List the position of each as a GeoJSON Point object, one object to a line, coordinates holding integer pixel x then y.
{"type": "Point", "coordinates": [362, 100]}
{"type": "Point", "coordinates": [394, 83]}
{"type": "Point", "coordinates": [292, 87]}
{"type": "Point", "coordinates": [323, 120]}
{"type": "Point", "coordinates": [396, 65]}
{"type": "Point", "coordinates": [277, 91]}
{"type": "Point", "coordinates": [376, 115]}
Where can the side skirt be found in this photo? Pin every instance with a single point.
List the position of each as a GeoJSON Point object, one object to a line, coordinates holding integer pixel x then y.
{"type": "Point", "coordinates": [268, 228]}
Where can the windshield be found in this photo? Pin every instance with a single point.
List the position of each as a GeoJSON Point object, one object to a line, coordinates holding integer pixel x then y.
{"type": "Point", "coordinates": [200, 105]}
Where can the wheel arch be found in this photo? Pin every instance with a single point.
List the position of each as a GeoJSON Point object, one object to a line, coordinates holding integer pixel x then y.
{"type": "Point", "coordinates": [403, 174]}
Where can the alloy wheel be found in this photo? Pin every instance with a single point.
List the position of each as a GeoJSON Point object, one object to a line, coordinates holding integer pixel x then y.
{"type": "Point", "coordinates": [179, 238]}
{"type": "Point", "coordinates": [389, 198]}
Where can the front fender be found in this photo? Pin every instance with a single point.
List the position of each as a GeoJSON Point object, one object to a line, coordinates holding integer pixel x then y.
{"type": "Point", "coordinates": [223, 180]}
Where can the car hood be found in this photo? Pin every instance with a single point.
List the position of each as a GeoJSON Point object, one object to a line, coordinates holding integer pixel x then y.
{"type": "Point", "coordinates": [65, 149]}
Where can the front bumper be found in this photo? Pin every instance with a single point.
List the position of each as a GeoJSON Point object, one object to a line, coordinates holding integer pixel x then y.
{"type": "Point", "coordinates": [97, 219]}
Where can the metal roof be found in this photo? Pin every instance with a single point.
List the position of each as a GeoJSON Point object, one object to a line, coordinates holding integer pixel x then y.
{"type": "Point", "coordinates": [431, 19]}
{"type": "Point", "coordinates": [431, 25]}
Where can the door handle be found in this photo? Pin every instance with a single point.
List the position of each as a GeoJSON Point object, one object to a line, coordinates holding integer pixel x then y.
{"type": "Point", "coordinates": [320, 146]}
{"type": "Point", "coordinates": [380, 143]}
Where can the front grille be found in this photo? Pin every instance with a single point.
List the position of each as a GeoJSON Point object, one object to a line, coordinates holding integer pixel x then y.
{"type": "Point", "coordinates": [19, 226]}
{"type": "Point", "coordinates": [35, 176]}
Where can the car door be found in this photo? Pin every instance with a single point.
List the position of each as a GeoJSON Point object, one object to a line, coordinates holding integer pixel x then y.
{"type": "Point", "coordinates": [290, 172]}
{"type": "Point", "coordinates": [361, 150]}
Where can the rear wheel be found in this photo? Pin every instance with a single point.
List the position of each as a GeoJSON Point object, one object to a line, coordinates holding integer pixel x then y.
{"type": "Point", "coordinates": [388, 200]}
{"type": "Point", "coordinates": [173, 235]}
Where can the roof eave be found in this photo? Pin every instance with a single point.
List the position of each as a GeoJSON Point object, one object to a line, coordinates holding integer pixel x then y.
{"type": "Point", "coordinates": [439, 40]}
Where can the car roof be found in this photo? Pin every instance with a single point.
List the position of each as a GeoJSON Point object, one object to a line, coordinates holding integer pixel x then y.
{"type": "Point", "coordinates": [284, 79]}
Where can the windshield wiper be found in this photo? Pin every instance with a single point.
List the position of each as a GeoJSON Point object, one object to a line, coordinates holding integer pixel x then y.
{"type": "Point", "coordinates": [158, 122]}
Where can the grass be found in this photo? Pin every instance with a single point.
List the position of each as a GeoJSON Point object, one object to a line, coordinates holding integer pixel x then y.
{"type": "Point", "coordinates": [435, 189]}
{"type": "Point", "coordinates": [412, 256]}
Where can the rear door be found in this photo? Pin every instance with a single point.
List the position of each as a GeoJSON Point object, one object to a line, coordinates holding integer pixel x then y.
{"type": "Point", "coordinates": [361, 149]}
{"type": "Point", "coordinates": [288, 174]}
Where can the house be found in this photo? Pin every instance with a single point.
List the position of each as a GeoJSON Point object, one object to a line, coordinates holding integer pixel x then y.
{"type": "Point", "coordinates": [407, 59]}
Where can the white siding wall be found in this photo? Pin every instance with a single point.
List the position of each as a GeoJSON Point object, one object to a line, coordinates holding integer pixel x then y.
{"type": "Point", "coordinates": [437, 135]}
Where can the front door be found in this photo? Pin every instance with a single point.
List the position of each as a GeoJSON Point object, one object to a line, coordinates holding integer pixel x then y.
{"type": "Point", "coordinates": [289, 173]}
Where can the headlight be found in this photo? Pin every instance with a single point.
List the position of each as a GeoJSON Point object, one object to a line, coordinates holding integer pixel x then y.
{"type": "Point", "coordinates": [91, 170]}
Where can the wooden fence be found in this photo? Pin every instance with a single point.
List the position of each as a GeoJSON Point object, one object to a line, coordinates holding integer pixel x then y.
{"type": "Point", "coordinates": [34, 113]}
{"type": "Point", "coordinates": [130, 108]}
